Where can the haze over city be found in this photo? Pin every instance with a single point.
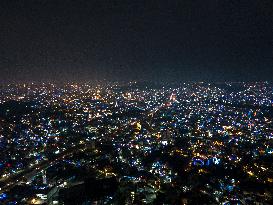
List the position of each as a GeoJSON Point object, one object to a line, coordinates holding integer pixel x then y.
{"type": "Point", "coordinates": [137, 40]}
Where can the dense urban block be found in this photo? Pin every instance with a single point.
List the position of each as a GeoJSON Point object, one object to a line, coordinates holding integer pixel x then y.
{"type": "Point", "coordinates": [136, 143]}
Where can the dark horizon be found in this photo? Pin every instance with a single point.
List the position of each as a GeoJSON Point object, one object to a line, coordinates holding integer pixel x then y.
{"type": "Point", "coordinates": [136, 40]}
{"type": "Point", "coordinates": [148, 83]}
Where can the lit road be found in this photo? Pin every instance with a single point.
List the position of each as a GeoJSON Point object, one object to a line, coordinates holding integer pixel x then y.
{"type": "Point", "coordinates": [30, 172]}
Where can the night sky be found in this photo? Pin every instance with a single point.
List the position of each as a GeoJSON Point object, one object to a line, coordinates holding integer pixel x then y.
{"type": "Point", "coordinates": [185, 40]}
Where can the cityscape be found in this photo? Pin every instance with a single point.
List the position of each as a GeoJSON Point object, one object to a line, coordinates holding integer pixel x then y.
{"type": "Point", "coordinates": [136, 143]}
{"type": "Point", "coordinates": [136, 102]}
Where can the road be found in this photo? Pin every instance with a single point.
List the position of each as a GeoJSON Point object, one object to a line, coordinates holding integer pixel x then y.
{"type": "Point", "coordinates": [30, 172]}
